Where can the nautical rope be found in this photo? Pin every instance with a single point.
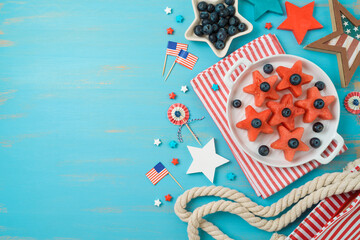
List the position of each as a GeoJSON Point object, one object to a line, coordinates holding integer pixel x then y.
{"type": "Point", "coordinates": [303, 197]}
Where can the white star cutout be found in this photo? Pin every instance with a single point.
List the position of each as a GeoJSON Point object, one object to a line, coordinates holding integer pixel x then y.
{"type": "Point", "coordinates": [157, 202]}
{"type": "Point", "coordinates": [356, 29]}
{"type": "Point", "coordinates": [342, 16]}
{"type": "Point", "coordinates": [157, 142]}
{"type": "Point", "coordinates": [167, 10]}
{"type": "Point", "coordinates": [346, 23]}
{"type": "Point", "coordinates": [205, 160]}
{"type": "Point", "coordinates": [347, 31]}
{"type": "Point", "coordinates": [184, 89]}
{"type": "Point", "coordinates": [357, 36]}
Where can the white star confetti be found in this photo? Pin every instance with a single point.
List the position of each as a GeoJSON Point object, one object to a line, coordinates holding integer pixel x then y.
{"type": "Point", "coordinates": [167, 10]}
{"type": "Point", "coordinates": [184, 89]}
{"type": "Point", "coordinates": [157, 142]}
{"type": "Point", "coordinates": [356, 29]}
{"type": "Point", "coordinates": [346, 23]}
{"type": "Point", "coordinates": [157, 202]}
{"type": "Point", "coordinates": [347, 31]}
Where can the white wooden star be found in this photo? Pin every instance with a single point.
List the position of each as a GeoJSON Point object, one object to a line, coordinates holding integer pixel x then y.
{"type": "Point", "coordinates": [356, 29]}
{"type": "Point", "coordinates": [167, 10]}
{"type": "Point", "coordinates": [157, 202]}
{"type": "Point", "coordinates": [347, 31]}
{"type": "Point", "coordinates": [184, 89]}
{"type": "Point", "coordinates": [205, 160]}
{"type": "Point", "coordinates": [157, 142]}
{"type": "Point", "coordinates": [346, 23]}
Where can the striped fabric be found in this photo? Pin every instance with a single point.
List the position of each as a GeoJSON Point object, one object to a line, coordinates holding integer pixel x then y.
{"type": "Point", "coordinates": [351, 45]}
{"type": "Point", "coordinates": [264, 179]}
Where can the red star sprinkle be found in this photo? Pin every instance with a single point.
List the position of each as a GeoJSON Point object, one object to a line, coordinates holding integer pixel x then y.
{"type": "Point", "coordinates": [283, 142]}
{"type": "Point", "coordinates": [285, 75]}
{"type": "Point", "coordinates": [170, 31]}
{"type": "Point", "coordinates": [268, 25]}
{"type": "Point", "coordinates": [311, 113]}
{"type": "Point", "coordinates": [172, 95]}
{"type": "Point", "coordinates": [300, 20]}
{"type": "Point", "coordinates": [168, 198]}
{"type": "Point", "coordinates": [175, 161]}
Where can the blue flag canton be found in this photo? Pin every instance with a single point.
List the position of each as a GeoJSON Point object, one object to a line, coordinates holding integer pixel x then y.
{"type": "Point", "coordinates": [159, 167]}
{"type": "Point", "coordinates": [172, 45]}
{"type": "Point", "coordinates": [183, 54]}
{"type": "Point", "coordinates": [349, 28]}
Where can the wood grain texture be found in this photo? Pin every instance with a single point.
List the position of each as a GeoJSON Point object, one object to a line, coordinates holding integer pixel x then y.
{"type": "Point", "coordinates": [82, 99]}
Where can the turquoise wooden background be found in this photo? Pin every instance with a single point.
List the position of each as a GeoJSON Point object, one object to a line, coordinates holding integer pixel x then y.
{"type": "Point", "coordinates": [81, 100]}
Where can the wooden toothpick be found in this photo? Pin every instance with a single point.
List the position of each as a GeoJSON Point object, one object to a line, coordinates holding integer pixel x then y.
{"type": "Point", "coordinates": [170, 70]}
{"type": "Point", "coordinates": [164, 64]}
{"type": "Point", "coordinates": [175, 180]}
{"type": "Point", "coordinates": [192, 133]}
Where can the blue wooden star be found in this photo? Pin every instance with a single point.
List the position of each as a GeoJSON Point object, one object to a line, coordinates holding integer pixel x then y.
{"type": "Point", "coordinates": [215, 87]}
{"type": "Point", "coordinates": [173, 144]}
{"type": "Point", "coordinates": [263, 6]}
{"type": "Point", "coordinates": [230, 176]}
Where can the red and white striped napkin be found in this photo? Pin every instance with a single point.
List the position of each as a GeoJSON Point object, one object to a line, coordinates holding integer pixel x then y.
{"type": "Point", "coordinates": [264, 179]}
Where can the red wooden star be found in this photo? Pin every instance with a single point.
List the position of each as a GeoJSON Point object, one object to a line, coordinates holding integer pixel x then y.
{"type": "Point", "coordinates": [172, 95]}
{"type": "Point", "coordinates": [300, 20]}
{"type": "Point", "coordinates": [175, 161]}
{"type": "Point", "coordinates": [170, 31]}
{"type": "Point", "coordinates": [168, 198]}
{"type": "Point", "coordinates": [268, 25]}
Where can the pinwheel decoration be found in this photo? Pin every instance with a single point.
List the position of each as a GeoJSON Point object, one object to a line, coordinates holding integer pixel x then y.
{"type": "Point", "coordinates": [352, 103]}
{"type": "Point", "coordinates": [179, 114]}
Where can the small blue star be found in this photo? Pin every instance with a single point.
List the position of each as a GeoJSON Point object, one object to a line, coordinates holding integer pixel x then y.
{"type": "Point", "coordinates": [230, 176]}
{"type": "Point", "coordinates": [173, 144]}
{"type": "Point", "coordinates": [263, 6]}
{"type": "Point", "coordinates": [179, 19]}
{"type": "Point", "coordinates": [215, 87]}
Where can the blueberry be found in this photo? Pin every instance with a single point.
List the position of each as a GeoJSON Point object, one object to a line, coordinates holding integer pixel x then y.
{"type": "Point", "coordinates": [214, 17]}
{"type": "Point", "coordinates": [286, 112]}
{"type": "Point", "coordinates": [295, 79]}
{"type": "Point", "coordinates": [264, 150]}
{"type": "Point", "coordinates": [231, 10]}
{"type": "Point", "coordinates": [256, 123]}
{"type": "Point", "coordinates": [265, 86]}
{"type": "Point", "coordinates": [210, 8]}
{"type": "Point", "coordinates": [319, 103]}
{"type": "Point", "coordinates": [234, 21]}
{"type": "Point", "coordinates": [219, 7]}
{"type": "Point", "coordinates": [213, 38]}
{"type": "Point", "coordinates": [206, 21]}
{"type": "Point", "coordinates": [219, 45]}
{"type": "Point", "coordinates": [207, 29]}
{"type": "Point", "coordinates": [315, 142]}
{"type": "Point", "coordinates": [268, 68]}
{"type": "Point", "coordinates": [204, 15]}
{"type": "Point", "coordinates": [318, 127]}
{"type": "Point", "coordinates": [293, 143]}
{"type": "Point", "coordinates": [236, 103]}
{"type": "Point", "coordinates": [221, 34]}
{"type": "Point", "coordinates": [198, 30]}
{"type": "Point", "coordinates": [222, 22]}
{"type": "Point", "coordinates": [224, 13]}
{"type": "Point", "coordinates": [242, 27]}
{"type": "Point", "coordinates": [215, 28]}
{"type": "Point", "coordinates": [229, 2]}
{"type": "Point", "coordinates": [232, 30]}
{"type": "Point", "coordinates": [202, 6]}
{"type": "Point", "coordinates": [320, 85]}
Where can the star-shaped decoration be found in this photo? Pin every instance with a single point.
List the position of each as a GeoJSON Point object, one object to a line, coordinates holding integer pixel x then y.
{"type": "Point", "coordinates": [205, 160]}
{"type": "Point", "coordinates": [230, 176]}
{"type": "Point", "coordinates": [157, 202]}
{"type": "Point", "coordinates": [157, 142]}
{"type": "Point", "coordinates": [168, 10]}
{"type": "Point", "coordinates": [268, 25]}
{"type": "Point", "coordinates": [348, 31]}
{"type": "Point", "coordinates": [284, 112]}
{"type": "Point", "coordinates": [175, 161]}
{"type": "Point", "coordinates": [262, 88]}
{"type": "Point", "coordinates": [263, 6]}
{"type": "Point", "coordinates": [300, 20]}
{"type": "Point", "coordinates": [179, 18]}
{"type": "Point", "coordinates": [287, 76]}
{"type": "Point", "coordinates": [173, 144]}
{"type": "Point", "coordinates": [314, 109]}
{"type": "Point", "coordinates": [290, 142]}
{"type": "Point", "coordinates": [168, 198]}
{"type": "Point", "coordinates": [172, 95]}
{"type": "Point", "coordinates": [215, 87]}
{"type": "Point", "coordinates": [356, 29]}
{"type": "Point", "coordinates": [170, 31]}
{"type": "Point", "coordinates": [184, 89]}
{"type": "Point", "coordinates": [255, 122]}
{"type": "Point", "coordinates": [348, 58]}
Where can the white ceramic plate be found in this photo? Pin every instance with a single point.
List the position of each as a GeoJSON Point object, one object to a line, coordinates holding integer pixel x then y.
{"type": "Point", "coordinates": [276, 157]}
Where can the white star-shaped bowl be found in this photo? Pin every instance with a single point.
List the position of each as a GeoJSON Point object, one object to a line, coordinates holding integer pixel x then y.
{"type": "Point", "coordinates": [190, 35]}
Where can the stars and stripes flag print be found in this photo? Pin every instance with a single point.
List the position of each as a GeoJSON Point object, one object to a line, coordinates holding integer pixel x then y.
{"type": "Point", "coordinates": [186, 59]}
{"type": "Point", "coordinates": [157, 173]}
{"type": "Point", "coordinates": [173, 48]}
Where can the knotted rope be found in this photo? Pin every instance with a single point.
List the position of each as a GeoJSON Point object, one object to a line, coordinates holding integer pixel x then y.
{"type": "Point", "coordinates": [303, 197]}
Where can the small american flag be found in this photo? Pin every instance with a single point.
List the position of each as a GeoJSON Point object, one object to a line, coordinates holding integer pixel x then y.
{"type": "Point", "coordinates": [173, 48]}
{"type": "Point", "coordinates": [157, 173]}
{"type": "Point", "coordinates": [186, 59]}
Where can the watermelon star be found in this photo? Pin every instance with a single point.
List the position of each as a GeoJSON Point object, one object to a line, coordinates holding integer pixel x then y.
{"type": "Point", "coordinates": [292, 78]}
{"type": "Point", "coordinates": [262, 88]}
{"type": "Point", "coordinates": [255, 122]}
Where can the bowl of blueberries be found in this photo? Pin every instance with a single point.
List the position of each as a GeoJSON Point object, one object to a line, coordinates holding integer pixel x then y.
{"type": "Point", "coordinates": [217, 22]}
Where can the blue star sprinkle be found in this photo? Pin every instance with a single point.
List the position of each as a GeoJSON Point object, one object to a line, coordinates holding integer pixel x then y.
{"type": "Point", "coordinates": [230, 176]}
{"type": "Point", "coordinates": [215, 87]}
{"type": "Point", "coordinates": [173, 144]}
{"type": "Point", "coordinates": [263, 6]}
{"type": "Point", "coordinates": [179, 19]}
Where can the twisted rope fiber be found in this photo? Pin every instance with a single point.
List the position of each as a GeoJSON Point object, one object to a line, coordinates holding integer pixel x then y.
{"type": "Point", "coordinates": [305, 196]}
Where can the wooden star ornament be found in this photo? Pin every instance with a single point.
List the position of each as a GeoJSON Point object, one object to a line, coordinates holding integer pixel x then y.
{"type": "Point", "coordinates": [343, 41]}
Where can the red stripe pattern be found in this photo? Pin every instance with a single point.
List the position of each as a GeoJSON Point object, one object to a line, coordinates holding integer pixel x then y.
{"type": "Point", "coordinates": [264, 179]}
{"type": "Point", "coordinates": [175, 52]}
{"type": "Point", "coordinates": [155, 176]}
{"type": "Point", "coordinates": [188, 61]}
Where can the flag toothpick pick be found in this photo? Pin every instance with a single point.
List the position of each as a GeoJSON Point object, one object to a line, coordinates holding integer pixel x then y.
{"type": "Point", "coordinates": [158, 172]}
{"type": "Point", "coordinates": [173, 49]}
{"type": "Point", "coordinates": [184, 58]}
